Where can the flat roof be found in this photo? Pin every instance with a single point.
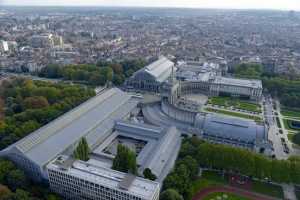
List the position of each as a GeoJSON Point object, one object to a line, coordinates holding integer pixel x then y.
{"type": "Point", "coordinates": [111, 178]}
{"type": "Point", "coordinates": [252, 83]}
{"type": "Point", "coordinates": [233, 128]}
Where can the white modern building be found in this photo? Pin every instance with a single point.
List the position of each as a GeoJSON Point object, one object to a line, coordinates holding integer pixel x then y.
{"type": "Point", "coordinates": [78, 180]}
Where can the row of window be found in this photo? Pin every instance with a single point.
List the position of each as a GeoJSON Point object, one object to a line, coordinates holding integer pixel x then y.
{"type": "Point", "coordinates": [75, 185]}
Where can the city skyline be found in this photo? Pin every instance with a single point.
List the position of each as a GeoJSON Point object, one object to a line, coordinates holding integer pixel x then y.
{"type": "Point", "coordinates": [224, 4]}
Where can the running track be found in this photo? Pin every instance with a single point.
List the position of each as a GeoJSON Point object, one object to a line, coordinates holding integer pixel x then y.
{"type": "Point", "coordinates": [253, 196]}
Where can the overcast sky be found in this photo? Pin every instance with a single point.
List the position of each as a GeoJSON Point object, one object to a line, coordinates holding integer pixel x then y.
{"type": "Point", "coordinates": [256, 4]}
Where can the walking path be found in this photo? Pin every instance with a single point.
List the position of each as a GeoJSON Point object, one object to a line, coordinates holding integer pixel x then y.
{"type": "Point", "coordinates": [251, 195]}
{"type": "Point", "coordinates": [289, 192]}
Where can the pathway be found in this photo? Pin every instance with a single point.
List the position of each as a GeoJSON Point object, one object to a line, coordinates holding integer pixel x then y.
{"type": "Point", "coordinates": [289, 192]}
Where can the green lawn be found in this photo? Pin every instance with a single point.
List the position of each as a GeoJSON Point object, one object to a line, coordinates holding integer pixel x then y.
{"type": "Point", "coordinates": [249, 107]}
{"type": "Point", "coordinates": [267, 189]}
{"type": "Point", "coordinates": [290, 136]}
{"type": "Point", "coordinates": [289, 126]}
{"type": "Point", "coordinates": [214, 176]}
{"type": "Point", "coordinates": [220, 101]}
{"type": "Point", "coordinates": [295, 140]}
{"type": "Point", "coordinates": [235, 103]}
{"type": "Point", "coordinates": [234, 114]}
{"type": "Point", "coordinates": [221, 195]}
{"type": "Point", "coordinates": [290, 112]}
{"type": "Point", "coordinates": [208, 179]}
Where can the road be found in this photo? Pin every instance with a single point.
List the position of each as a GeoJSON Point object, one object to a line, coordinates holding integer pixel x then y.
{"type": "Point", "coordinates": [273, 134]}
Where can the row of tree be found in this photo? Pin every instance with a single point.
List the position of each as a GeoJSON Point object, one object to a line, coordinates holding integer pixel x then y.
{"type": "Point", "coordinates": [288, 91]}
{"type": "Point", "coordinates": [283, 86]}
{"type": "Point", "coordinates": [31, 104]}
{"type": "Point", "coordinates": [196, 153]}
{"type": "Point", "coordinates": [14, 185]}
{"type": "Point", "coordinates": [92, 74]}
{"type": "Point", "coordinates": [244, 70]}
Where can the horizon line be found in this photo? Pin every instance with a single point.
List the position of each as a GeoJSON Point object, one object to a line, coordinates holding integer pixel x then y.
{"type": "Point", "coordinates": [158, 7]}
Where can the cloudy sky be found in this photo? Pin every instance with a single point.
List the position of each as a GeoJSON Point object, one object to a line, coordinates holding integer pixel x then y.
{"type": "Point", "coordinates": [256, 4]}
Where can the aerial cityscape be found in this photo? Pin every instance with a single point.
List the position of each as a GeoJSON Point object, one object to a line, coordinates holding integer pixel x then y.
{"type": "Point", "coordinates": [149, 103]}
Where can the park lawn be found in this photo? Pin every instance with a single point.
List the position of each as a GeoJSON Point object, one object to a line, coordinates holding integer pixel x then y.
{"type": "Point", "coordinates": [235, 103]}
{"type": "Point", "coordinates": [211, 178]}
{"type": "Point", "coordinates": [249, 107]}
{"type": "Point", "coordinates": [287, 126]}
{"type": "Point", "coordinates": [294, 140]}
{"type": "Point", "coordinates": [208, 179]}
{"type": "Point", "coordinates": [290, 113]}
{"type": "Point", "coordinates": [214, 176]}
{"type": "Point", "coordinates": [220, 101]}
{"type": "Point", "coordinates": [290, 136]}
{"type": "Point", "coordinates": [222, 194]}
{"type": "Point", "coordinates": [234, 114]}
{"type": "Point", "coordinates": [267, 189]}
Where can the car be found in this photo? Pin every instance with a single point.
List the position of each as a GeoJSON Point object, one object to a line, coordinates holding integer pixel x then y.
{"type": "Point", "coordinates": [286, 150]}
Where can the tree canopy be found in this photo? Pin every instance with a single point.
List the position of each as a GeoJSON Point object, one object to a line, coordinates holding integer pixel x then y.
{"type": "Point", "coordinates": [125, 160]}
{"type": "Point", "coordinates": [149, 175]}
{"type": "Point", "coordinates": [14, 185]}
{"type": "Point", "coordinates": [195, 153]}
{"type": "Point", "coordinates": [82, 150]}
{"type": "Point", "coordinates": [170, 194]}
{"type": "Point", "coordinates": [245, 70]}
{"type": "Point", "coordinates": [283, 86]}
{"type": "Point", "coordinates": [95, 74]}
{"type": "Point", "coordinates": [29, 105]}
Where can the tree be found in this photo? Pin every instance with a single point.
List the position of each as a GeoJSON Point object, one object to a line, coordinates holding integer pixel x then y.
{"type": "Point", "coordinates": [35, 102]}
{"type": "Point", "coordinates": [117, 68]}
{"type": "Point", "coordinates": [192, 166]}
{"type": "Point", "coordinates": [16, 179]}
{"type": "Point", "coordinates": [179, 180]}
{"type": "Point", "coordinates": [109, 74]}
{"type": "Point", "coordinates": [149, 175]}
{"type": "Point", "coordinates": [51, 71]}
{"type": "Point", "coordinates": [4, 191]}
{"type": "Point", "coordinates": [97, 79]}
{"type": "Point", "coordinates": [21, 195]}
{"type": "Point", "coordinates": [5, 167]}
{"type": "Point", "coordinates": [125, 160]}
{"type": "Point", "coordinates": [248, 70]}
{"type": "Point", "coordinates": [170, 194]}
{"type": "Point", "coordinates": [82, 150]}
{"type": "Point", "coordinates": [53, 197]}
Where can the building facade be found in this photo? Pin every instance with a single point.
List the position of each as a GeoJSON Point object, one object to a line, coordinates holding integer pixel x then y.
{"type": "Point", "coordinates": [151, 77]}
{"type": "Point", "coordinates": [78, 180]}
